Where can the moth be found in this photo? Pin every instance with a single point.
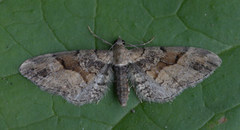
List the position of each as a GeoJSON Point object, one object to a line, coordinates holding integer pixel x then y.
{"type": "Point", "coordinates": [157, 74]}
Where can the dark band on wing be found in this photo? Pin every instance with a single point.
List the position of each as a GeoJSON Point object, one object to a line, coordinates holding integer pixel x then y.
{"type": "Point", "coordinates": [170, 58]}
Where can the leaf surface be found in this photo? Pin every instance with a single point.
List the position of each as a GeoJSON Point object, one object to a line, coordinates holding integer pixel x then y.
{"type": "Point", "coordinates": [31, 28]}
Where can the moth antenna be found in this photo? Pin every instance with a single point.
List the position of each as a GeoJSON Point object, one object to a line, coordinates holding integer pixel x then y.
{"type": "Point", "coordinates": [111, 47]}
{"type": "Point", "coordinates": [131, 45]}
{"type": "Point", "coordinates": [143, 44]}
{"type": "Point", "coordinates": [96, 36]}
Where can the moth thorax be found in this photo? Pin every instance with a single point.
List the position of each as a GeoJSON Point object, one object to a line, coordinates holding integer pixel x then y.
{"type": "Point", "coordinates": [120, 55]}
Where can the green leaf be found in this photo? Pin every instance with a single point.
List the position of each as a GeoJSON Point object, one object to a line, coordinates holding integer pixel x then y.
{"type": "Point", "coordinates": [30, 28]}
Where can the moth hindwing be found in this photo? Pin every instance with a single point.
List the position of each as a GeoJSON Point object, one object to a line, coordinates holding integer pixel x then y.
{"type": "Point", "coordinates": [158, 74]}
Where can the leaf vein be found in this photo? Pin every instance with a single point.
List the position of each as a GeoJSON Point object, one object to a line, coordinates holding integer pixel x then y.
{"type": "Point", "coordinates": [198, 31]}
{"type": "Point", "coordinates": [155, 123]}
{"type": "Point", "coordinates": [34, 122]}
{"type": "Point", "coordinates": [49, 27]}
{"type": "Point", "coordinates": [12, 37]}
{"type": "Point", "coordinates": [95, 21]}
{"type": "Point", "coordinates": [147, 10]}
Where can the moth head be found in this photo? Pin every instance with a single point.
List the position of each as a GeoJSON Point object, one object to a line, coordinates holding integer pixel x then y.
{"type": "Point", "coordinates": [119, 42]}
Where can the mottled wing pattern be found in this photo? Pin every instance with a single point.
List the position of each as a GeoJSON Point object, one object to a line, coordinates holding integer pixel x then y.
{"type": "Point", "coordinates": [159, 74]}
{"type": "Point", "coordinates": [78, 76]}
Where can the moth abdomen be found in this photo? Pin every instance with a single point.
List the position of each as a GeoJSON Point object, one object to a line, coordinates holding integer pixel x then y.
{"type": "Point", "coordinates": [121, 75]}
